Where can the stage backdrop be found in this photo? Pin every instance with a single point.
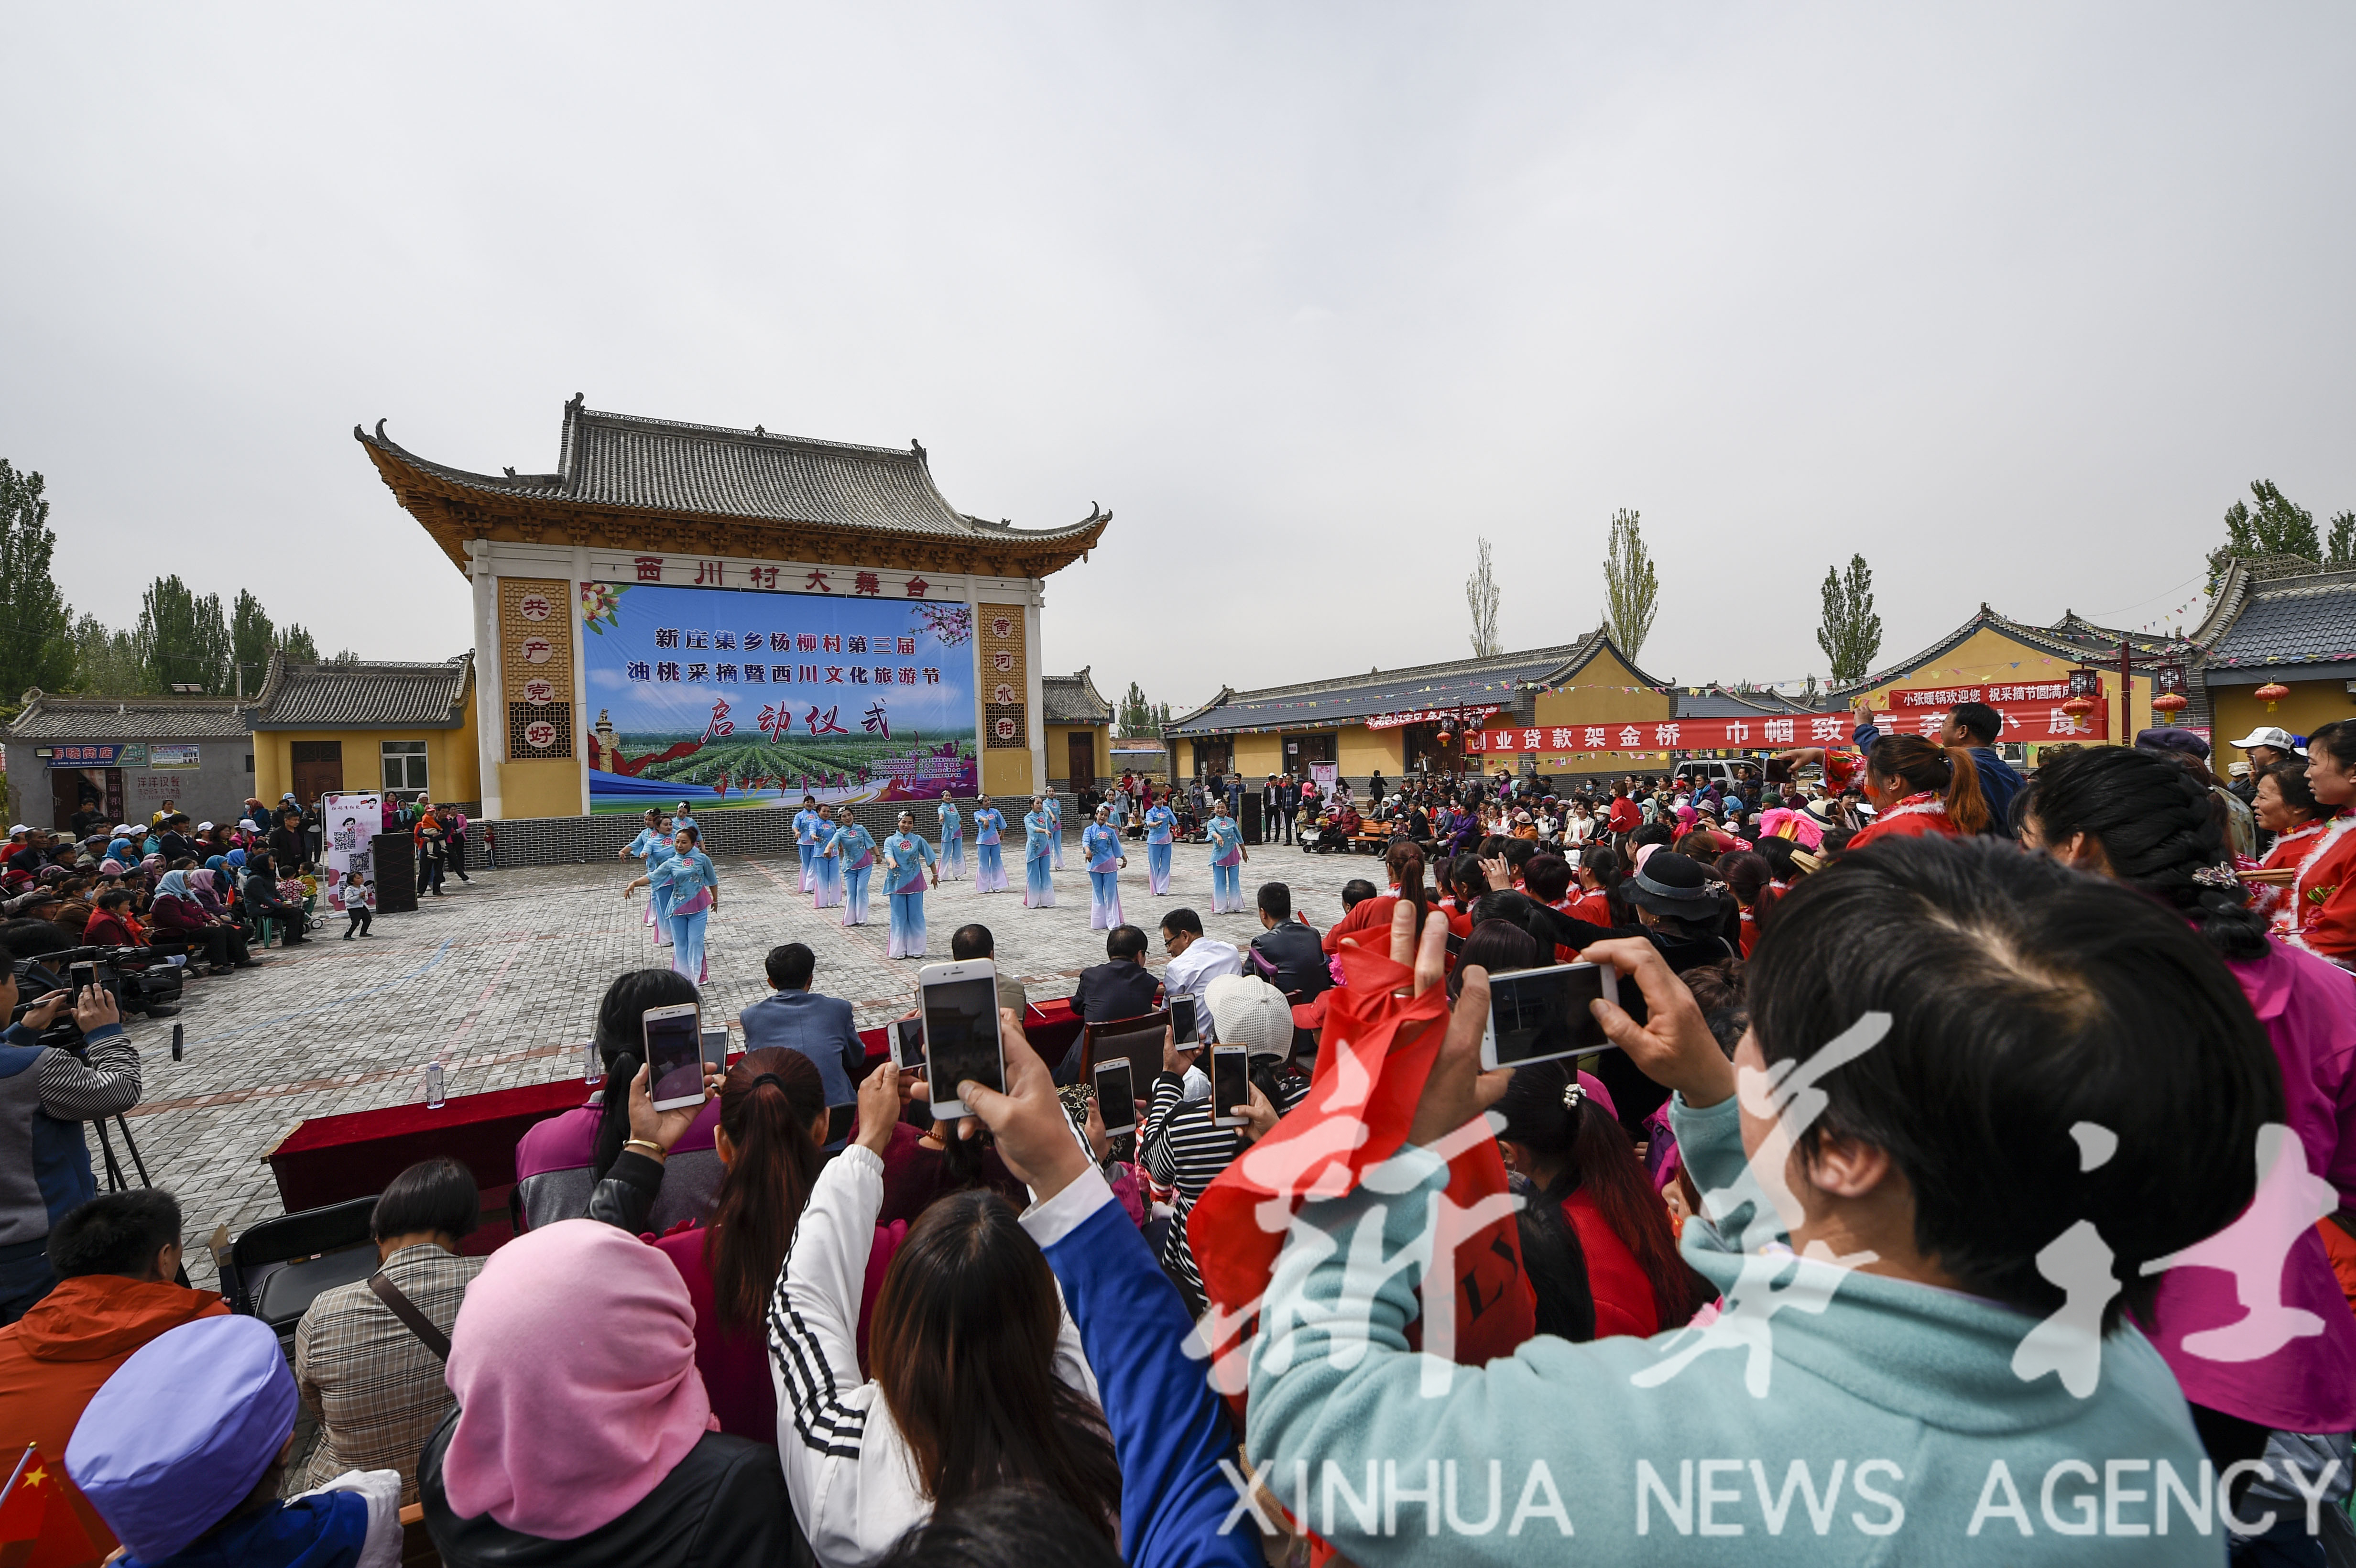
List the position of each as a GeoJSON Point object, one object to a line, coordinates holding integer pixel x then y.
{"type": "Point", "coordinates": [725, 697]}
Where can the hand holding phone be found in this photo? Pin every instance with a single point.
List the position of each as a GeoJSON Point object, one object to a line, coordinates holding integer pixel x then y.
{"type": "Point", "coordinates": [1230, 1086]}
{"type": "Point", "coordinates": [958, 1008]}
{"type": "Point", "coordinates": [1536, 1014]}
{"type": "Point", "coordinates": [674, 1052]}
{"type": "Point", "coordinates": [1116, 1096]}
{"type": "Point", "coordinates": [908, 1043]}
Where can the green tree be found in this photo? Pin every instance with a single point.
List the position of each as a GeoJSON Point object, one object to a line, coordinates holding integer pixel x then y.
{"type": "Point", "coordinates": [107, 663]}
{"type": "Point", "coordinates": [300, 648]}
{"type": "Point", "coordinates": [1851, 633]}
{"type": "Point", "coordinates": [1481, 597]}
{"type": "Point", "coordinates": [1632, 589]}
{"type": "Point", "coordinates": [2275, 526]}
{"type": "Point", "coordinates": [36, 624]}
{"type": "Point", "coordinates": [183, 640]}
{"type": "Point", "coordinates": [2340, 548]}
{"type": "Point", "coordinates": [251, 638]}
{"type": "Point", "coordinates": [1136, 714]}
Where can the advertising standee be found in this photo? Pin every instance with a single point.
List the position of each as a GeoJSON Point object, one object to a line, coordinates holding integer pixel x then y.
{"type": "Point", "coordinates": [350, 823]}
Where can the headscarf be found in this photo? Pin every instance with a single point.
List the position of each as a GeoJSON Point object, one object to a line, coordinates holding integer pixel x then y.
{"type": "Point", "coordinates": [175, 885]}
{"type": "Point", "coordinates": [235, 858]}
{"type": "Point", "coordinates": [111, 867]}
{"type": "Point", "coordinates": [215, 862]}
{"type": "Point", "coordinates": [557, 1441]}
{"type": "Point", "coordinates": [119, 849]}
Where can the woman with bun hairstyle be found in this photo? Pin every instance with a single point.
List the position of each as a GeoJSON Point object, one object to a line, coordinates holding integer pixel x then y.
{"type": "Point", "coordinates": [1917, 787]}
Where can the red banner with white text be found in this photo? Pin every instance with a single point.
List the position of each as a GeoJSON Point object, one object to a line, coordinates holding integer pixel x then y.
{"type": "Point", "coordinates": [2032, 722]}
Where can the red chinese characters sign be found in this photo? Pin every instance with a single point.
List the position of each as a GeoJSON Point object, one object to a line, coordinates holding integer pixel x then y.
{"type": "Point", "coordinates": [2034, 723]}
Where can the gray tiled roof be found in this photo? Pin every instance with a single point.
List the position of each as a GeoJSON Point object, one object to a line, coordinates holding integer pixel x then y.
{"type": "Point", "coordinates": [48, 718]}
{"type": "Point", "coordinates": [1499, 680]}
{"type": "Point", "coordinates": [1072, 699]}
{"type": "Point", "coordinates": [363, 695]}
{"type": "Point", "coordinates": [666, 465]}
{"type": "Point", "coordinates": [2293, 620]}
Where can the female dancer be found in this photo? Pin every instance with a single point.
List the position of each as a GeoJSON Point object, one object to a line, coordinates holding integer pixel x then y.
{"type": "Point", "coordinates": [1160, 822]}
{"type": "Point", "coordinates": [952, 861]}
{"type": "Point", "coordinates": [690, 887]}
{"type": "Point", "coordinates": [1055, 814]}
{"type": "Point", "coordinates": [853, 851]}
{"type": "Point", "coordinates": [990, 873]}
{"type": "Point", "coordinates": [906, 856]}
{"type": "Point", "coordinates": [810, 826]}
{"type": "Point", "coordinates": [1228, 855]}
{"type": "Point", "coordinates": [1038, 869]}
{"type": "Point", "coordinates": [826, 879]}
{"type": "Point", "coordinates": [654, 846]}
{"type": "Point", "coordinates": [1100, 846]}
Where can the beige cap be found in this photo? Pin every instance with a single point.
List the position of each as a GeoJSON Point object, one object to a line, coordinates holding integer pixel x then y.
{"type": "Point", "coordinates": [1250, 1012]}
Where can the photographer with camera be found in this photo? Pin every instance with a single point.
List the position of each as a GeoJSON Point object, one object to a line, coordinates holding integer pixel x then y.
{"type": "Point", "coordinates": [46, 1092]}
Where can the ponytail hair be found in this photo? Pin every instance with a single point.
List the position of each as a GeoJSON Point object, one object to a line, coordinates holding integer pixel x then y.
{"type": "Point", "coordinates": [1405, 863]}
{"type": "Point", "coordinates": [621, 1044]}
{"type": "Point", "coordinates": [1948, 769]}
{"type": "Point", "coordinates": [767, 1103]}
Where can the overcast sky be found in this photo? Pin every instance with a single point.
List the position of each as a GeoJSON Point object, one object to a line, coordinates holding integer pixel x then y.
{"type": "Point", "coordinates": [2015, 300]}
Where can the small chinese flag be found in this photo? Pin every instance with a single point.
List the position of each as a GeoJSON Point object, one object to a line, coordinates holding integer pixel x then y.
{"type": "Point", "coordinates": [37, 1527]}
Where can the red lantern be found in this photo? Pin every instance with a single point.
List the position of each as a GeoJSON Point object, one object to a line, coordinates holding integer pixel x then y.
{"type": "Point", "coordinates": [2077, 707]}
{"type": "Point", "coordinates": [2274, 691]}
{"type": "Point", "coordinates": [2167, 704]}
{"type": "Point", "coordinates": [1445, 736]}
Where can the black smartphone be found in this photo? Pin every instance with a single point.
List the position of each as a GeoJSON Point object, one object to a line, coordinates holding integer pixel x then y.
{"type": "Point", "coordinates": [1182, 1022]}
{"type": "Point", "coordinates": [1116, 1097]}
{"type": "Point", "coordinates": [908, 1043]}
{"type": "Point", "coordinates": [1455, 945]}
{"type": "Point", "coordinates": [1230, 1083]}
{"type": "Point", "coordinates": [83, 974]}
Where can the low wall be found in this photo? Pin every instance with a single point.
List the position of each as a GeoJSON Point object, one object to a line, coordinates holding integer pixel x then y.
{"type": "Point", "coordinates": [753, 830]}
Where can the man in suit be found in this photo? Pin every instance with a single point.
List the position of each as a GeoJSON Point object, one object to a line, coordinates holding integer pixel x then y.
{"type": "Point", "coordinates": [1121, 988]}
{"type": "Point", "coordinates": [1271, 811]}
{"type": "Point", "coordinates": [1287, 802]}
{"type": "Point", "coordinates": [1288, 954]}
{"type": "Point", "coordinates": [819, 1026]}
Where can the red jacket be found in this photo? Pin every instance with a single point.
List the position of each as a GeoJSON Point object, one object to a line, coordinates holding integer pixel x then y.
{"type": "Point", "coordinates": [53, 1358]}
{"type": "Point", "coordinates": [168, 913]}
{"type": "Point", "coordinates": [106, 930]}
{"type": "Point", "coordinates": [1626, 815]}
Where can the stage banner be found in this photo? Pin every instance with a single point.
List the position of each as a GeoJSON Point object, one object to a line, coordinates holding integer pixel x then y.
{"type": "Point", "coordinates": [732, 696]}
{"type": "Point", "coordinates": [349, 823]}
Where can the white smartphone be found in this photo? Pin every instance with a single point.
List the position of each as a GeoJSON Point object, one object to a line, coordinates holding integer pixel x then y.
{"type": "Point", "coordinates": [1230, 1085]}
{"type": "Point", "coordinates": [959, 1005]}
{"type": "Point", "coordinates": [715, 1049]}
{"type": "Point", "coordinates": [674, 1042]}
{"type": "Point", "coordinates": [1535, 1015]}
{"type": "Point", "coordinates": [908, 1043]}
{"type": "Point", "coordinates": [1116, 1096]}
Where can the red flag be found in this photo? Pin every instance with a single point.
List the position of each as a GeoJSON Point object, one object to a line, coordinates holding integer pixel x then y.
{"type": "Point", "coordinates": [38, 1526]}
{"type": "Point", "coordinates": [1376, 1051]}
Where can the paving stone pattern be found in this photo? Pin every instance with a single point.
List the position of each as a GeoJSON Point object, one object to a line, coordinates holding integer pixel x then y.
{"type": "Point", "coordinates": [500, 980]}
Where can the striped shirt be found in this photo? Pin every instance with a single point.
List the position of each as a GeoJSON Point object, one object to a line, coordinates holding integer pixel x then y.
{"type": "Point", "coordinates": [1181, 1149]}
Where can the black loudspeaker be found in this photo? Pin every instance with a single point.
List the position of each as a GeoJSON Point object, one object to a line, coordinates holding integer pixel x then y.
{"type": "Point", "coordinates": [396, 873]}
{"type": "Point", "coordinates": [1251, 823]}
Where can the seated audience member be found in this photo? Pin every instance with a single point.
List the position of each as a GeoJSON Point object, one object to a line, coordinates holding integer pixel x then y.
{"type": "Point", "coordinates": [561, 1160]}
{"type": "Point", "coordinates": [263, 900]}
{"type": "Point", "coordinates": [175, 914]}
{"type": "Point", "coordinates": [602, 1455]}
{"type": "Point", "coordinates": [968, 943]}
{"type": "Point", "coordinates": [1356, 891]}
{"type": "Point", "coordinates": [1196, 960]}
{"type": "Point", "coordinates": [979, 1374]}
{"type": "Point", "coordinates": [373, 1381]}
{"type": "Point", "coordinates": [114, 1259]}
{"type": "Point", "coordinates": [1404, 861]}
{"type": "Point", "coordinates": [1181, 1143]}
{"type": "Point", "coordinates": [797, 1018]}
{"type": "Point", "coordinates": [1015, 1527]}
{"type": "Point", "coordinates": [1547, 880]}
{"type": "Point", "coordinates": [1287, 954]}
{"type": "Point", "coordinates": [1119, 988]}
{"type": "Point", "coordinates": [183, 1450]}
{"type": "Point", "coordinates": [1984, 1004]}
{"type": "Point", "coordinates": [112, 924]}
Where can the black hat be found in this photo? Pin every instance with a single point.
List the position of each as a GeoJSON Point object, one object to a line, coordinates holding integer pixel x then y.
{"type": "Point", "coordinates": [1678, 885]}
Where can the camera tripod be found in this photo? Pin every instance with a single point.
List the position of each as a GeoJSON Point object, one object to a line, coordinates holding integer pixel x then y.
{"type": "Point", "coordinates": [114, 1178]}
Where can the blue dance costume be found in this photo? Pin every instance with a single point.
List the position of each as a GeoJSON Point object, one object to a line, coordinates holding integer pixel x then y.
{"type": "Point", "coordinates": [1055, 813]}
{"type": "Point", "coordinates": [952, 861]}
{"type": "Point", "coordinates": [990, 872]}
{"type": "Point", "coordinates": [906, 856]}
{"type": "Point", "coordinates": [1101, 846]}
{"type": "Point", "coordinates": [1227, 864]}
{"type": "Point", "coordinates": [852, 848]}
{"type": "Point", "coordinates": [1038, 871]}
{"type": "Point", "coordinates": [1160, 822]}
{"type": "Point", "coordinates": [693, 887]}
{"type": "Point", "coordinates": [808, 827]}
{"type": "Point", "coordinates": [654, 849]}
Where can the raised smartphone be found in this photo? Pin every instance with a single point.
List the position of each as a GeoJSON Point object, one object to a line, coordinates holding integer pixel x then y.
{"type": "Point", "coordinates": [958, 1008]}
{"type": "Point", "coordinates": [1183, 1032]}
{"type": "Point", "coordinates": [1230, 1085]}
{"type": "Point", "coordinates": [908, 1043]}
{"type": "Point", "coordinates": [674, 1041]}
{"type": "Point", "coordinates": [1116, 1097]}
{"type": "Point", "coordinates": [1535, 1015]}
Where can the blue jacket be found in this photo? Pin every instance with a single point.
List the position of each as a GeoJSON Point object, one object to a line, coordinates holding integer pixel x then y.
{"type": "Point", "coordinates": [820, 1028]}
{"type": "Point", "coordinates": [1169, 1430]}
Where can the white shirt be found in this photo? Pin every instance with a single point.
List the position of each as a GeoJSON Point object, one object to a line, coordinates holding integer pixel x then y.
{"type": "Point", "coordinates": [1205, 960]}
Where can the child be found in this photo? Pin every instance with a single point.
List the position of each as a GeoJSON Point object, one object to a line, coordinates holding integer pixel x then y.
{"type": "Point", "coordinates": [356, 906]}
{"type": "Point", "coordinates": [182, 1449]}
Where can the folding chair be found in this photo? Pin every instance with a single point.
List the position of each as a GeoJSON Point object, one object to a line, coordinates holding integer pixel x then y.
{"type": "Point", "coordinates": [1138, 1040]}
{"type": "Point", "coordinates": [276, 1268]}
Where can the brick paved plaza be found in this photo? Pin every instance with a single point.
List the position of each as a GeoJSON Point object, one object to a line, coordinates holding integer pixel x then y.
{"type": "Point", "coordinates": [501, 978]}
